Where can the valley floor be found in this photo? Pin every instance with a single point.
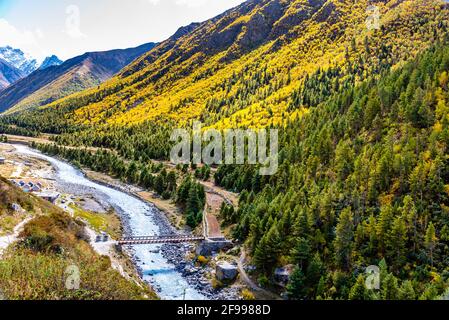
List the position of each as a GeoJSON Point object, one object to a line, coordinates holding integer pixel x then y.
{"type": "Point", "coordinates": [19, 167]}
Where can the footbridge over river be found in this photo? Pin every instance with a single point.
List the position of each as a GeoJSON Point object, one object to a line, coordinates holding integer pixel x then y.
{"type": "Point", "coordinates": [159, 240]}
{"type": "Point", "coordinates": [211, 240]}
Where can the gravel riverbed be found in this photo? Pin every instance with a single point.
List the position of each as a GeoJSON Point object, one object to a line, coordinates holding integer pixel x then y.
{"type": "Point", "coordinates": [175, 254]}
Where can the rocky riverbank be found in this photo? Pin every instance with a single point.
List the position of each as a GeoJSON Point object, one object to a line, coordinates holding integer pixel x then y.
{"type": "Point", "coordinates": [177, 255]}
{"type": "Point", "coordinates": [199, 277]}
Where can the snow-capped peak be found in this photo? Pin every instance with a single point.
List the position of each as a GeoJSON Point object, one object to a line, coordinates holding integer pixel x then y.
{"type": "Point", "coordinates": [50, 61]}
{"type": "Point", "coordinates": [18, 59]}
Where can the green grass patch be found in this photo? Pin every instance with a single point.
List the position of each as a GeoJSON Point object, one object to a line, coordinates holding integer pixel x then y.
{"type": "Point", "coordinates": [107, 222]}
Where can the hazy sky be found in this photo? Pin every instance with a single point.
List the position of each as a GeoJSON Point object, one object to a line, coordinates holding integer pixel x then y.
{"type": "Point", "coordinates": [71, 27]}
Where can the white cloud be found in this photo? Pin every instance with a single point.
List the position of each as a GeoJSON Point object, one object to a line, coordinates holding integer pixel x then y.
{"type": "Point", "coordinates": [27, 40]}
{"type": "Point", "coordinates": [71, 27]}
{"type": "Point", "coordinates": [39, 34]}
{"type": "Point", "coordinates": [151, 2]}
{"type": "Point", "coordinates": [191, 3]}
{"type": "Point", "coordinates": [11, 35]}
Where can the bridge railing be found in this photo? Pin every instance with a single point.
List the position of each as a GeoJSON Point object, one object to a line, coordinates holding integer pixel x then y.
{"type": "Point", "coordinates": [159, 240]}
{"type": "Point", "coordinates": [148, 237]}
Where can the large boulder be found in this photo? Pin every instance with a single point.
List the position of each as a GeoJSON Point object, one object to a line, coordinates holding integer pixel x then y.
{"type": "Point", "coordinates": [226, 272]}
{"type": "Point", "coordinates": [208, 247]}
{"type": "Point", "coordinates": [282, 275]}
{"type": "Point", "coordinates": [16, 207]}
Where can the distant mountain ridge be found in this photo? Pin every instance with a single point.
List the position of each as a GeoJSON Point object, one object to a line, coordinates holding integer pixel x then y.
{"type": "Point", "coordinates": [15, 65]}
{"type": "Point", "coordinates": [242, 67]}
{"type": "Point", "coordinates": [18, 59]}
{"type": "Point", "coordinates": [57, 81]}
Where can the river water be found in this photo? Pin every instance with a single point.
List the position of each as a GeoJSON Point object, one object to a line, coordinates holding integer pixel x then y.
{"type": "Point", "coordinates": [140, 217]}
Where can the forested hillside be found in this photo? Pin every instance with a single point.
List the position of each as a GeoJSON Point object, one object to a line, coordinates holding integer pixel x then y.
{"type": "Point", "coordinates": [363, 180]}
{"type": "Point", "coordinates": [364, 168]}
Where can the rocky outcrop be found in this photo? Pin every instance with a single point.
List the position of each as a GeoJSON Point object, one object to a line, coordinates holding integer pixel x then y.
{"type": "Point", "coordinates": [207, 248]}
{"type": "Point", "coordinates": [328, 13]}
{"type": "Point", "coordinates": [294, 16]}
{"type": "Point", "coordinates": [282, 275]}
{"type": "Point", "coordinates": [51, 61]}
{"type": "Point", "coordinates": [259, 27]}
{"type": "Point", "coordinates": [18, 59]}
{"type": "Point", "coordinates": [226, 272]}
{"type": "Point", "coordinates": [236, 31]}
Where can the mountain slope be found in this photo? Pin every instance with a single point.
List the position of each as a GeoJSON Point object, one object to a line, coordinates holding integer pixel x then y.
{"type": "Point", "coordinates": [362, 181]}
{"type": "Point", "coordinates": [82, 72]}
{"type": "Point", "coordinates": [241, 67]}
{"type": "Point", "coordinates": [8, 74]}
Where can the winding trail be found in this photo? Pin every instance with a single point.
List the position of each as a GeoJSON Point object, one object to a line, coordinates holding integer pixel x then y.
{"type": "Point", "coordinates": [6, 241]}
{"type": "Point", "coordinates": [250, 283]}
{"type": "Point", "coordinates": [106, 249]}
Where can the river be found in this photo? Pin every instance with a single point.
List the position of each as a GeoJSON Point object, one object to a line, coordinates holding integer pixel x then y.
{"type": "Point", "coordinates": [141, 219]}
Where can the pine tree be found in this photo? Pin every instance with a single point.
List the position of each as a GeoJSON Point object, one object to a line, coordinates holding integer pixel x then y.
{"type": "Point", "coordinates": [343, 243]}
{"type": "Point", "coordinates": [301, 253]}
{"type": "Point", "coordinates": [389, 288]}
{"type": "Point", "coordinates": [430, 241]}
{"type": "Point", "coordinates": [406, 292]}
{"type": "Point", "coordinates": [430, 293]}
{"type": "Point", "coordinates": [320, 290]}
{"type": "Point", "coordinates": [358, 290]}
{"type": "Point", "coordinates": [159, 184]}
{"type": "Point", "coordinates": [194, 207]}
{"type": "Point", "coordinates": [409, 211]}
{"type": "Point", "coordinates": [268, 250]}
{"type": "Point", "coordinates": [171, 182]}
{"type": "Point", "coordinates": [301, 226]}
{"type": "Point", "coordinates": [183, 191]}
{"type": "Point", "coordinates": [344, 159]}
{"type": "Point", "coordinates": [295, 288]}
{"type": "Point", "coordinates": [314, 271]}
{"type": "Point", "coordinates": [397, 242]}
{"type": "Point", "coordinates": [444, 234]}
{"type": "Point", "coordinates": [384, 226]}
{"type": "Point", "coordinates": [133, 173]}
